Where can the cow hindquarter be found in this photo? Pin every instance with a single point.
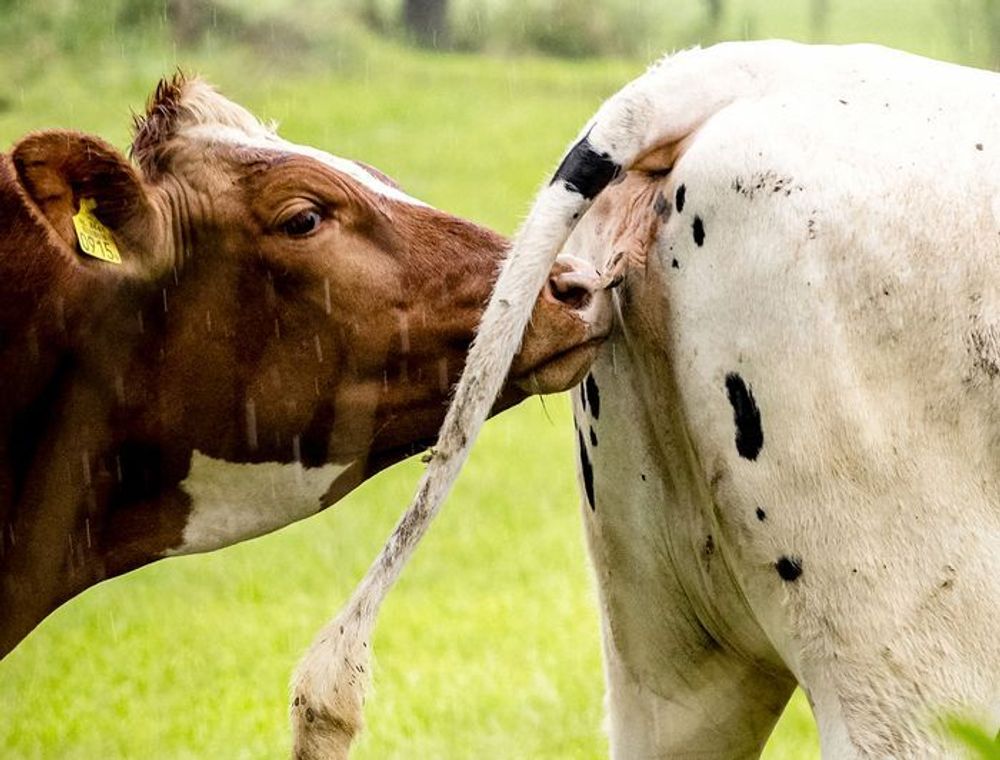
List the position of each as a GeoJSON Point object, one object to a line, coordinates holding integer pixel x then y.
{"type": "Point", "coordinates": [793, 464]}
{"type": "Point", "coordinates": [689, 671]}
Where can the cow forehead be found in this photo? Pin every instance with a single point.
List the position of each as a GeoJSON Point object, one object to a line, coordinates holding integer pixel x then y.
{"type": "Point", "coordinates": [216, 133]}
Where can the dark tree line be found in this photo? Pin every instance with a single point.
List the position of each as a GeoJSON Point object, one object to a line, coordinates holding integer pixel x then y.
{"type": "Point", "coordinates": [427, 21]}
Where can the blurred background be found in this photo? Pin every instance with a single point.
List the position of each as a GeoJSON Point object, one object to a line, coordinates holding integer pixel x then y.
{"type": "Point", "coordinates": [489, 647]}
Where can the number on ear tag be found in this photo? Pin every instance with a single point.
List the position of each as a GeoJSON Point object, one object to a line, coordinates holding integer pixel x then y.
{"type": "Point", "coordinates": [95, 239]}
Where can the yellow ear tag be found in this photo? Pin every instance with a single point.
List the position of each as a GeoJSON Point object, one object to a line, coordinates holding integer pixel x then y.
{"type": "Point", "coordinates": [95, 239]}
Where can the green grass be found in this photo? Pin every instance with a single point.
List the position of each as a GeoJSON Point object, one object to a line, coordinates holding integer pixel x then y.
{"type": "Point", "coordinates": [489, 646]}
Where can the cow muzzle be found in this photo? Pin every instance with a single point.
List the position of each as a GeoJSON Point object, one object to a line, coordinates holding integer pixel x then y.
{"type": "Point", "coordinates": [571, 319]}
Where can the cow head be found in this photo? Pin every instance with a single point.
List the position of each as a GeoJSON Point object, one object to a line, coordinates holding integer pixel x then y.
{"type": "Point", "coordinates": [293, 314]}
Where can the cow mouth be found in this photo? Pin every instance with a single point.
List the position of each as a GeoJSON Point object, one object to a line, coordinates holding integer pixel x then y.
{"type": "Point", "coordinates": [562, 370]}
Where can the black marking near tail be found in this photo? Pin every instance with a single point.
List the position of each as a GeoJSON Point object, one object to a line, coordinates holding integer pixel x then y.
{"type": "Point", "coordinates": [587, 470]}
{"type": "Point", "coordinates": [746, 415]}
{"type": "Point", "coordinates": [593, 394]}
{"type": "Point", "coordinates": [585, 171]}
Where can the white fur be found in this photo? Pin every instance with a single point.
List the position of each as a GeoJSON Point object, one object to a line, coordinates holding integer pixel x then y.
{"type": "Point", "coordinates": [232, 502]}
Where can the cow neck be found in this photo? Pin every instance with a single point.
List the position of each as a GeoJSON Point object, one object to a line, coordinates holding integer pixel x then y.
{"type": "Point", "coordinates": [70, 332]}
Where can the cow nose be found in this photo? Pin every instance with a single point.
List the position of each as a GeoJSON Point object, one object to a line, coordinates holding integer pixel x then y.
{"type": "Point", "coordinates": [572, 282]}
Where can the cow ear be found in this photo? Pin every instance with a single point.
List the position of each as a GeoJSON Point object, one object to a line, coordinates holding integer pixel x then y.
{"type": "Point", "coordinates": [60, 170]}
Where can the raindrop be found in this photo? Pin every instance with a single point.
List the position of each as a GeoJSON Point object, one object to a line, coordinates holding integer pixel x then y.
{"type": "Point", "coordinates": [33, 349]}
{"type": "Point", "coordinates": [326, 296]}
{"type": "Point", "coordinates": [277, 328]}
{"type": "Point", "coordinates": [164, 292]}
{"type": "Point", "coordinates": [404, 334]}
{"type": "Point", "coordinates": [297, 458]}
{"type": "Point", "coordinates": [10, 532]}
{"type": "Point", "coordinates": [251, 420]}
{"type": "Point", "coordinates": [86, 524]}
{"type": "Point", "coordinates": [443, 383]}
{"type": "Point", "coordinates": [120, 389]}
{"type": "Point", "coordinates": [85, 460]}
{"type": "Point", "coordinates": [142, 326]}
{"type": "Point", "coordinates": [60, 308]}
{"type": "Point", "coordinates": [319, 349]}
{"type": "Point", "coordinates": [208, 321]}
{"type": "Point", "coordinates": [118, 467]}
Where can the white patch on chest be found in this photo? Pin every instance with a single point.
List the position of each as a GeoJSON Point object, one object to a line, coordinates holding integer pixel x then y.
{"type": "Point", "coordinates": [231, 502]}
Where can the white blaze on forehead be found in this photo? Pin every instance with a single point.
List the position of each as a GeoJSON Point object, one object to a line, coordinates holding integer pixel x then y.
{"type": "Point", "coordinates": [353, 170]}
{"type": "Point", "coordinates": [232, 502]}
{"type": "Point", "coordinates": [268, 140]}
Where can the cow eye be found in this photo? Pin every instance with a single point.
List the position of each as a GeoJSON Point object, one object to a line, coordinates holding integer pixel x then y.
{"type": "Point", "coordinates": [302, 224]}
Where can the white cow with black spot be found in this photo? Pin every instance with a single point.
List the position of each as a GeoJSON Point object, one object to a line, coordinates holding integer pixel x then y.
{"type": "Point", "coordinates": [790, 449]}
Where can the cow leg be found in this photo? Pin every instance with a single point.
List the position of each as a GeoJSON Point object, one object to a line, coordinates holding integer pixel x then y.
{"type": "Point", "coordinates": [689, 672]}
{"type": "Point", "coordinates": [714, 704]}
{"type": "Point", "coordinates": [883, 686]}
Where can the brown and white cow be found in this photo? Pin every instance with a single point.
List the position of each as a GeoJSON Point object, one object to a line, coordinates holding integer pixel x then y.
{"type": "Point", "coordinates": [283, 324]}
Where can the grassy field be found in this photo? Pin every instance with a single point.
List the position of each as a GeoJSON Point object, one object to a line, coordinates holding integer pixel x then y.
{"type": "Point", "coordinates": [489, 646]}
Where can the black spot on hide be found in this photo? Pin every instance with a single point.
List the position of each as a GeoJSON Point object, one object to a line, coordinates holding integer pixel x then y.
{"type": "Point", "coordinates": [661, 206]}
{"type": "Point", "coordinates": [761, 514]}
{"type": "Point", "coordinates": [587, 470]}
{"type": "Point", "coordinates": [679, 198]}
{"type": "Point", "coordinates": [789, 568]}
{"type": "Point", "coordinates": [698, 231]}
{"type": "Point", "coordinates": [593, 395]}
{"type": "Point", "coordinates": [746, 415]}
{"type": "Point", "coordinates": [709, 548]}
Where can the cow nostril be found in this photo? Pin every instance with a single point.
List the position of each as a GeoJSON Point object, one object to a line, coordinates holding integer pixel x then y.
{"type": "Point", "coordinates": [574, 292]}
